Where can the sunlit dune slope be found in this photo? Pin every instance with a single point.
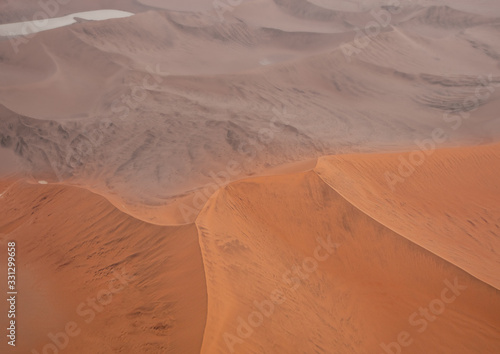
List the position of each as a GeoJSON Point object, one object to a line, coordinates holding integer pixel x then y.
{"type": "Point", "coordinates": [445, 200]}
{"type": "Point", "coordinates": [70, 245]}
{"type": "Point", "coordinates": [260, 236]}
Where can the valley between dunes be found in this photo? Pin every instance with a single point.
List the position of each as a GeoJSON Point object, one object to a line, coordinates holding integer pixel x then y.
{"type": "Point", "coordinates": [326, 260]}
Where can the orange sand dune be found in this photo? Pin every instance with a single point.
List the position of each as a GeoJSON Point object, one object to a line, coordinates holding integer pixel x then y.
{"type": "Point", "coordinates": [259, 236]}
{"type": "Point", "coordinates": [319, 261]}
{"type": "Point", "coordinates": [70, 245]}
{"type": "Point", "coordinates": [447, 201]}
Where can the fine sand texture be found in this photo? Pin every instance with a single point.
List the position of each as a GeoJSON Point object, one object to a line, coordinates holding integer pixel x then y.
{"type": "Point", "coordinates": [72, 246]}
{"type": "Point", "coordinates": [260, 240]}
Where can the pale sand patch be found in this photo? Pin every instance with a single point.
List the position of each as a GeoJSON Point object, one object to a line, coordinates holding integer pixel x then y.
{"type": "Point", "coordinates": [30, 27]}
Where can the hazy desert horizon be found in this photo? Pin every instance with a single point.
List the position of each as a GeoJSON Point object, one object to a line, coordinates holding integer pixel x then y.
{"type": "Point", "coordinates": [250, 176]}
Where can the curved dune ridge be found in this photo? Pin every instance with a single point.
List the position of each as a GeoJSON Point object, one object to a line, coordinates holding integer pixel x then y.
{"type": "Point", "coordinates": [259, 237]}
{"type": "Point", "coordinates": [326, 260]}
{"type": "Point", "coordinates": [446, 201]}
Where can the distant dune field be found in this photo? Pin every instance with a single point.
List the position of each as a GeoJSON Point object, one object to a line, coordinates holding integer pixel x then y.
{"type": "Point", "coordinates": [172, 97]}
